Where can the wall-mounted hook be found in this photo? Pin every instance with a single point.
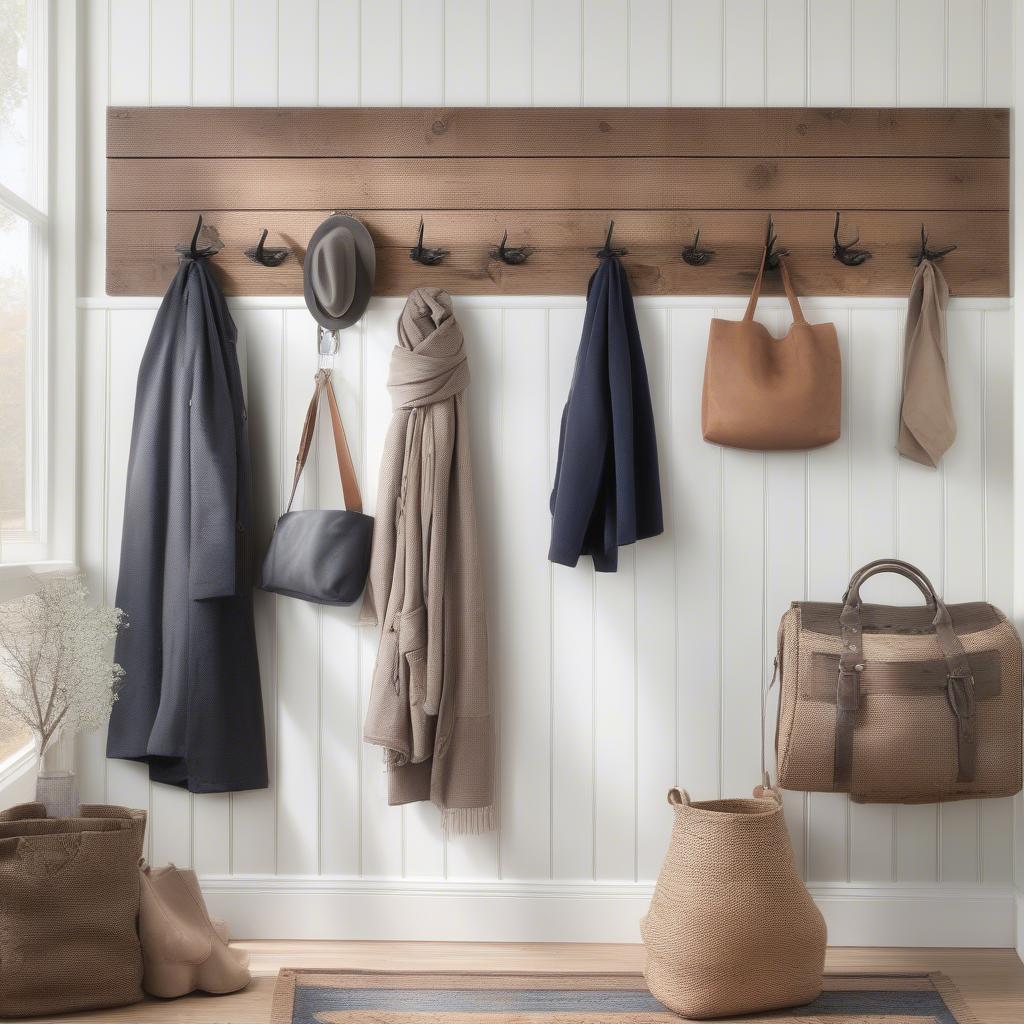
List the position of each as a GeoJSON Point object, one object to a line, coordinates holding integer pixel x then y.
{"type": "Point", "coordinates": [328, 343]}
{"type": "Point", "coordinates": [929, 254]}
{"type": "Point", "coordinates": [194, 250]}
{"type": "Point", "coordinates": [845, 251]}
{"type": "Point", "coordinates": [608, 249]}
{"type": "Point", "coordinates": [419, 253]}
{"type": "Point", "coordinates": [512, 255]}
{"type": "Point", "coordinates": [695, 255]}
{"type": "Point", "coordinates": [771, 258]}
{"type": "Point", "coordinates": [266, 257]}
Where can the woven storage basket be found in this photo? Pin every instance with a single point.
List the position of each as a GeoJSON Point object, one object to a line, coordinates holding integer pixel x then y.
{"type": "Point", "coordinates": [69, 900]}
{"type": "Point", "coordinates": [731, 928]}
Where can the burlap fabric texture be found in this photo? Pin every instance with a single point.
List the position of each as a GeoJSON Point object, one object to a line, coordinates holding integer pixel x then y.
{"type": "Point", "coordinates": [69, 901]}
{"type": "Point", "coordinates": [731, 928]}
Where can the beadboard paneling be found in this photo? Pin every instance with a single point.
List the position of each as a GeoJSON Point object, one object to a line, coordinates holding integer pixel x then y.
{"type": "Point", "coordinates": [608, 690]}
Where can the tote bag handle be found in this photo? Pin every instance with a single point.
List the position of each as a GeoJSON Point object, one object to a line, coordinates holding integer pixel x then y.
{"type": "Point", "coordinates": [794, 302]}
{"type": "Point", "coordinates": [349, 482]}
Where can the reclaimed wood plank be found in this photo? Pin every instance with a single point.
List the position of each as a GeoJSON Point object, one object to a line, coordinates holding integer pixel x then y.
{"type": "Point", "coordinates": [636, 183]}
{"type": "Point", "coordinates": [553, 131]}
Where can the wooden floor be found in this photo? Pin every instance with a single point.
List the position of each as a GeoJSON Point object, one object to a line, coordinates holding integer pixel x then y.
{"type": "Point", "coordinates": [992, 980]}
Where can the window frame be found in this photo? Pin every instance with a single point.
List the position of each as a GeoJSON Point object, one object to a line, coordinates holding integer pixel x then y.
{"type": "Point", "coordinates": [35, 543]}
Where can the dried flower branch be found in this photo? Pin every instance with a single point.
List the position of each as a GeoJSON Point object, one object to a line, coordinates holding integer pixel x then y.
{"type": "Point", "coordinates": [57, 673]}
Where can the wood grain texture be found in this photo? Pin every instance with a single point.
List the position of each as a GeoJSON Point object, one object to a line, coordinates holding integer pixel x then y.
{"type": "Point", "coordinates": [553, 132]}
{"type": "Point", "coordinates": [564, 183]}
{"type": "Point", "coordinates": [141, 257]}
{"type": "Point", "coordinates": [469, 170]}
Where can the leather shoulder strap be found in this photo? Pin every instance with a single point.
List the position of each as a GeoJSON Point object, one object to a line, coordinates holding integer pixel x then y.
{"type": "Point", "coordinates": [349, 481]}
{"type": "Point", "coordinates": [787, 284]}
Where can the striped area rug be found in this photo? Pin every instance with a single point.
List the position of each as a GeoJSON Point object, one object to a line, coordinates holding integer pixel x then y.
{"type": "Point", "coordinates": [377, 997]}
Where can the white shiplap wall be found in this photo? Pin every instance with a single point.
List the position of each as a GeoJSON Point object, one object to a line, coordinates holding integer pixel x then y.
{"type": "Point", "coordinates": [610, 688]}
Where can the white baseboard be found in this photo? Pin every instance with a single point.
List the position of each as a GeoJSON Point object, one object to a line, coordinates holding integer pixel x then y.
{"type": "Point", "coordinates": [300, 907]}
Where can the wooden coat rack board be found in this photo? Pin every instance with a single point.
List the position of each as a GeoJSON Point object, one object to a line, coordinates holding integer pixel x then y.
{"type": "Point", "coordinates": [553, 177]}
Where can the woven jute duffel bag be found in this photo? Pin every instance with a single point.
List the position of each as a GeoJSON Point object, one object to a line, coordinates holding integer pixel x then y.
{"type": "Point", "coordinates": [731, 928]}
{"type": "Point", "coordinates": [899, 704]}
{"type": "Point", "coordinates": [69, 903]}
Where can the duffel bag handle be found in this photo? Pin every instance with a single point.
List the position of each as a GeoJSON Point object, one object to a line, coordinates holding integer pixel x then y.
{"type": "Point", "coordinates": [960, 680]}
{"type": "Point", "coordinates": [893, 565]}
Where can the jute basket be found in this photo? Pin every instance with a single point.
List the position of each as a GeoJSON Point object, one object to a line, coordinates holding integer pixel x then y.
{"type": "Point", "coordinates": [731, 928]}
{"type": "Point", "coordinates": [69, 899]}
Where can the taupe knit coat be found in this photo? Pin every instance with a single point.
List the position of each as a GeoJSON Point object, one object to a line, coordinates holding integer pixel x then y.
{"type": "Point", "coordinates": [429, 703]}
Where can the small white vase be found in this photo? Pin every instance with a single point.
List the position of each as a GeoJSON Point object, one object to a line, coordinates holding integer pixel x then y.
{"type": "Point", "coordinates": [57, 791]}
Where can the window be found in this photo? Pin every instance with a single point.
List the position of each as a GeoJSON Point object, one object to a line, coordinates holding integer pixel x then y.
{"type": "Point", "coordinates": [24, 247]}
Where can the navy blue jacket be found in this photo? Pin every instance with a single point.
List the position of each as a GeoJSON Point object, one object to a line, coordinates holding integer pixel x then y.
{"type": "Point", "coordinates": [607, 492]}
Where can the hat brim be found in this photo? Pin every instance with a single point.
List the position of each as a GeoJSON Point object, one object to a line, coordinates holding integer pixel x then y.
{"type": "Point", "coordinates": [366, 269]}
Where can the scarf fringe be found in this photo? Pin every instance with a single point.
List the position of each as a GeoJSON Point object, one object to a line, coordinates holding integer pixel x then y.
{"type": "Point", "coordinates": [473, 821]}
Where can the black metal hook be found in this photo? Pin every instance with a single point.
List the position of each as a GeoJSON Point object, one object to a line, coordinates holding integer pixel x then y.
{"type": "Point", "coordinates": [419, 253]}
{"type": "Point", "coordinates": [272, 257]}
{"type": "Point", "coordinates": [845, 251]}
{"type": "Point", "coordinates": [192, 248]}
{"type": "Point", "coordinates": [771, 255]}
{"type": "Point", "coordinates": [695, 255]}
{"type": "Point", "coordinates": [512, 255]}
{"type": "Point", "coordinates": [608, 249]}
{"type": "Point", "coordinates": [929, 254]}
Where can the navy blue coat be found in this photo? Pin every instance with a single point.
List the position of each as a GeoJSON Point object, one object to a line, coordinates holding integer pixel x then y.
{"type": "Point", "coordinates": [189, 704]}
{"type": "Point", "coordinates": [607, 490]}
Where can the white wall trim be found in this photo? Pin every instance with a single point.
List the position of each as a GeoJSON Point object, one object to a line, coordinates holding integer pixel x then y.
{"type": "Point", "coordinates": [307, 907]}
{"type": "Point", "coordinates": [1020, 924]}
{"type": "Point", "coordinates": [1017, 278]}
{"type": "Point", "coordinates": [17, 777]}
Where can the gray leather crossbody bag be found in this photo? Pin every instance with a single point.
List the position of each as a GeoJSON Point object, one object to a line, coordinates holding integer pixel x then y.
{"type": "Point", "coordinates": [321, 555]}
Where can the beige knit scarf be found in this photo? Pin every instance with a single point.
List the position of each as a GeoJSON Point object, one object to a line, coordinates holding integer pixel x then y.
{"type": "Point", "coordinates": [429, 703]}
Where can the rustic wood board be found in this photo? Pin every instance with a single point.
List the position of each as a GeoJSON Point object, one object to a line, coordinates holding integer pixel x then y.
{"type": "Point", "coordinates": [626, 183]}
{"type": "Point", "coordinates": [140, 258]}
{"type": "Point", "coordinates": [554, 131]}
{"type": "Point", "coordinates": [554, 177]}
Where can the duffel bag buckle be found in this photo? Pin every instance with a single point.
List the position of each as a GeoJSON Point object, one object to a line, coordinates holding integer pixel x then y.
{"type": "Point", "coordinates": [848, 688]}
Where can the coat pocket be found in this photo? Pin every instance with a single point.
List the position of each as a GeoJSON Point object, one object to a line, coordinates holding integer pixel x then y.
{"type": "Point", "coordinates": [417, 662]}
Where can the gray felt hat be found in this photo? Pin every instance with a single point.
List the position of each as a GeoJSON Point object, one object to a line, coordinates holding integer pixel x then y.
{"type": "Point", "coordinates": [337, 276]}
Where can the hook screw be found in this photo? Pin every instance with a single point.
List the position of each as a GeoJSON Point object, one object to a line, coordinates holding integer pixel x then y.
{"type": "Point", "coordinates": [512, 255]}
{"type": "Point", "coordinates": [608, 249]}
{"type": "Point", "coordinates": [267, 257]}
{"type": "Point", "coordinates": [845, 251]}
{"type": "Point", "coordinates": [929, 254]}
{"type": "Point", "coordinates": [419, 253]}
{"type": "Point", "coordinates": [695, 255]}
{"type": "Point", "coordinates": [771, 258]}
{"type": "Point", "coordinates": [193, 249]}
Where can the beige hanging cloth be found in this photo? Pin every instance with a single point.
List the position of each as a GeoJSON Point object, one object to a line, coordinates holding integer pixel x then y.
{"type": "Point", "coordinates": [429, 703]}
{"type": "Point", "coordinates": [927, 423]}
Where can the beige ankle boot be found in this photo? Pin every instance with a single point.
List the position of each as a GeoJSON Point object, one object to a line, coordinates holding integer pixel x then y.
{"type": "Point", "coordinates": [219, 926]}
{"type": "Point", "coordinates": [182, 950]}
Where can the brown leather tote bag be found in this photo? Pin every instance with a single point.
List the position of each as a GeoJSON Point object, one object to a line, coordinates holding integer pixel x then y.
{"type": "Point", "coordinates": [771, 394]}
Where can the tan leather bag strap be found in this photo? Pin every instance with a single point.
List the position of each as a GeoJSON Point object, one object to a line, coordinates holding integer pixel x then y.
{"type": "Point", "coordinates": [349, 481]}
{"type": "Point", "coordinates": [794, 302]}
{"type": "Point", "coordinates": [960, 689]}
